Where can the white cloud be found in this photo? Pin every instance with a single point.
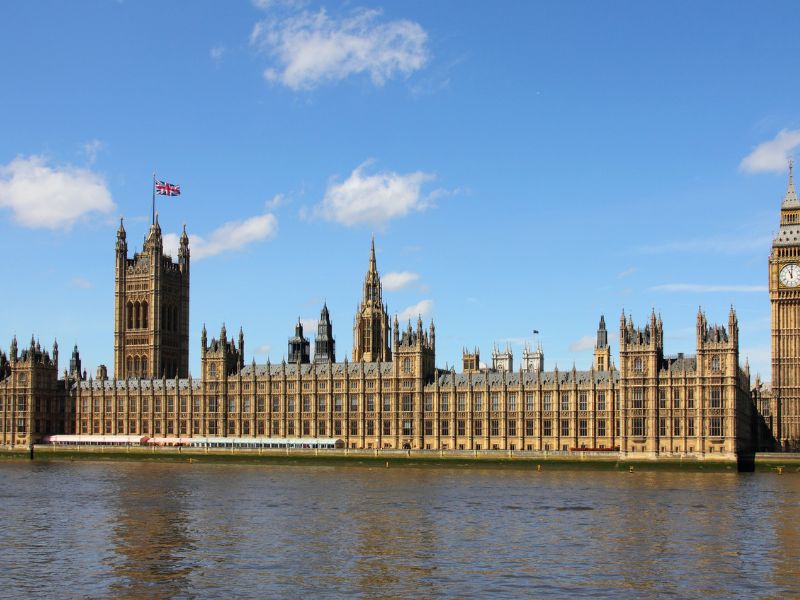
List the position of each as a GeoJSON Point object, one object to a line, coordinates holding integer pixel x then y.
{"type": "Point", "coordinates": [262, 349]}
{"type": "Point", "coordinates": [91, 148]}
{"type": "Point", "coordinates": [701, 288]}
{"type": "Point", "coordinates": [275, 202]}
{"type": "Point", "coordinates": [233, 235]}
{"type": "Point", "coordinates": [216, 53]}
{"type": "Point", "coordinates": [773, 155]}
{"type": "Point", "coordinates": [585, 343]}
{"type": "Point", "coordinates": [397, 281]}
{"type": "Point", "coordinates": [269, 4]}
{"type": "Point", "coordinates": [81, 283]}
{"type": "Point", "coordinates": [374, 199]}
{"type": "Point", "coordinates": [43, 196]}
{"type": "Point", "coordinates": [309, 49]}
{"type": "Point", "coordinates": [422, 308]}
{"type": "Point", "coordinates": [627, 272]}
{"type": "Point", "coordinates": [309, 326]}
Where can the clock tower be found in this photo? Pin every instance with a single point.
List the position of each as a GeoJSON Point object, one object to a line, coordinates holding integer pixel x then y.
{"type": "Point", "coordinates": [784, 296]}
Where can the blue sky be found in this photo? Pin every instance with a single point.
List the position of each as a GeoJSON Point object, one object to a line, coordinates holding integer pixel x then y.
{"type": "Point", "coordinates": [523, 165]}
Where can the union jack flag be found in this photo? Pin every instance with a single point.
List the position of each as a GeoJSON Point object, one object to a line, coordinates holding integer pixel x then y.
{"type": "Point", "coordinates": [167, 189]}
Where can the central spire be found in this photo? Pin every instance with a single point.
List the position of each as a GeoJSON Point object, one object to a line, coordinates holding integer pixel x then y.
{"type": "Point", "coordinates": [371, 327]}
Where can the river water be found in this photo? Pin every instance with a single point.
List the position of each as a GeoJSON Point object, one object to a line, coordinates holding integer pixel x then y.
{"type": "Point", "coordinates": [143, 530]}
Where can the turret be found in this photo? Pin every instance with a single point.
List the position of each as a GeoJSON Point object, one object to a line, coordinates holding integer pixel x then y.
{"type": "Point", "coordinates": [241, 347]}
{"type": "Point", "coordinates": [700, 326]}
{"type": "Point", "coordinates": [503, 360]}
{"type": "Point", "coordinates": [75, 363]}
{"type": "Point", "coordinates": [470, 361]}
{"type": "Point", "coordinates": [733, 326]}
{"type": "Point", "coordinates": [203, 341]}
{"type": "Point", "coordinates": [12, 351]}
{"type": "Point", "coordinates": [55, 354]}
{"type": "Point", "coordinates": [602, 352]}
{"type": "Point", "coordinates": [324, 344]}
{"type": "Point", "coordinates": [122, 243]}
{"type": "Point", "coordinates": [183, 250]}
{"type": "Point", "coordinates": [299, 346]}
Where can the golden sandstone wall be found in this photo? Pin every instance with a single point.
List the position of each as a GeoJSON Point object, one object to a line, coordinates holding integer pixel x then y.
{"type": "Point", "coordinates": [392, 397]}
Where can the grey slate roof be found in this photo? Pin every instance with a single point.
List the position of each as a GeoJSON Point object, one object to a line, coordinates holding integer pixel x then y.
{"type": "Point", "coordinates": [681, 364]}
{"type": "Point", "coordinates": [528, 378]}
{"type": "Point", "coordinates": [353, 369]}
{"type": "Point", "coordinates": [135, 384]}
{"type": "Point", "coordinates": [787, 235]}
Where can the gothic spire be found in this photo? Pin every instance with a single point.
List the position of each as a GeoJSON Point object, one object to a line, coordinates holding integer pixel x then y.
{"type": "Point", "coordinates": [790, 200]}
{"type": "Point", "coordinates": [602, 333]}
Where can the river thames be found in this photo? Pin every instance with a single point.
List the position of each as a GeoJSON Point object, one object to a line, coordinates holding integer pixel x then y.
{"type": "Point", "coordinates": [144, 530]}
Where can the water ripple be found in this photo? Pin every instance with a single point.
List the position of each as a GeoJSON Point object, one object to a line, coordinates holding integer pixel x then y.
{"type": "Point", "coordinates": [216, 531]}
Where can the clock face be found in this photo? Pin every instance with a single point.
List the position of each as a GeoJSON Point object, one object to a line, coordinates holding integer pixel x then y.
{"type": "Point", "coordinates": [790, 275]}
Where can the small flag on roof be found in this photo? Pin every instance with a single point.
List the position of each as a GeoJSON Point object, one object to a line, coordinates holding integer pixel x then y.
{"type": "Point", "coordinates": [167, 189]}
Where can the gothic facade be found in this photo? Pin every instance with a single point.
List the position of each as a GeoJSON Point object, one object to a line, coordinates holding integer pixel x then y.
{"type": "Point", "coordinates": [151, 308]}
{"type": "Point", "coordinates": [781, 416]}
{"type": "Point", "coordinates": [391, 395]}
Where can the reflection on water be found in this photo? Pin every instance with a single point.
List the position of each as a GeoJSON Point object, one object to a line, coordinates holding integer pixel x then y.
{"type": "Point", "coordinates": [151, 543]}
{"type": "Point", "coordinates": [161, 531]}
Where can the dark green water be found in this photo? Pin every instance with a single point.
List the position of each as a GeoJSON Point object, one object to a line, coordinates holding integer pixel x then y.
{"type": "Point", "coordinates": [145, 530]}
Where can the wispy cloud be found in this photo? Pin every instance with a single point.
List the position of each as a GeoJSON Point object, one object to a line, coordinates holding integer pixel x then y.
{"type": "Point", "coordinates": [262, 350]}
{"type": "Point", "coordinates": [772, 155]}
{"type": "Point", "coordinates": [91, 148]}
{"type": "Point", "coordinates": [375, 198]}
{"type": "Point", "coordinates": [270, 4]}
{"type": "Point", "coordinates": [309, 326]}
{"type": "Point", "coordinates": [422, 308]}
{"type": "Point", "coordinates": [309, 49]}
{"type": "Point", "coordinates": [703, 288]}
{"type": "Point", "coordinates": [585, 343]}
{"type": "Point", "coordinates": [627, 272]}
{"type": "Point", "coordinates": [734, 244]}
{"type": "Point", "coordinates": [80, 283]}
{"type": "Point", "coordinates": [275, 202]}
{"type": "Point", "coordinates": [230, 236]}
{"type": "Point", "coordinates": [51, 197]}
{"type": "Point", "coordinates": [217, 52]}
{"type": "Point", "coordinates": [397, 281]}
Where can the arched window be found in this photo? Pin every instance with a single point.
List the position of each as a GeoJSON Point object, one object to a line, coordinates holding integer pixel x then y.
{"type": "Point", "coordinates": [137, 316]}
{"type": "Point", "coordinates": [144, 366]}
{"type": "Point", "coordinates": [212, 370]}
{"type": "Point", "coordinates": [130, 366]}
{"type": "Point", "coordinates": [136, 371]}
{"type": "Point", "coordinates": [406, 365]}
{"type": "Point", "coordinates": [715, 363]}
{"type": "Point", "coordinates": [637, 364]}
{"type": "Point", "coordinates": [144, 315]}
{"type": "Point", "coordinates": [130, 315]}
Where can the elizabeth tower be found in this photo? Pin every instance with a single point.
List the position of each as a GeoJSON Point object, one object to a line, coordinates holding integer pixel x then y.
{"type": "Point", "coordinates": [784, 296]}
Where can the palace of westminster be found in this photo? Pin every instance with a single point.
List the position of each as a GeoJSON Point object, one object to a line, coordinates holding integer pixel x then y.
{"type": "Point", "coordinates": [392, 395]}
